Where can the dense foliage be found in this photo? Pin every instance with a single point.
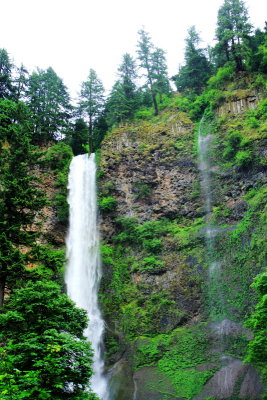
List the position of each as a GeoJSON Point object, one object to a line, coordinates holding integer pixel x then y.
{"type": "Point", "coordinates": [40, 130]}
{"type": "Point", "coordinates": [43, 352]}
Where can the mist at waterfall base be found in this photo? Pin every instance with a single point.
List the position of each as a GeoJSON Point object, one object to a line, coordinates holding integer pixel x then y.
{"type": "Point", "coordinates": [83, 259]}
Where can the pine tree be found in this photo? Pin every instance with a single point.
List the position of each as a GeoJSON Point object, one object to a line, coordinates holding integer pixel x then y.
{"type": "Point", "coordinates": [49, 102]}
{"type": "Point", "coordinates": [79, 137]}
{"type": "Point", "coordinates": [160, 73]}
{"type": "Point", "coordinates": [145, 56]}
{"type": "Point", "coordinates": [197, 69]}
{"type": "Point", "coordinates": [232, 33]}
{"type": "Point", "coordinates": [91, 102]}
{"type": "Point", "coordinates": [124, 97]}
{"type": "Point", "coordinates": [6, 68]}
{"type": "Point", "coordinates": [20, 199]}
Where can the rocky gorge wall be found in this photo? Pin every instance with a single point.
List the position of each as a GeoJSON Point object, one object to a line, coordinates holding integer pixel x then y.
{"type": "Point", "coordinates": [157, 298]}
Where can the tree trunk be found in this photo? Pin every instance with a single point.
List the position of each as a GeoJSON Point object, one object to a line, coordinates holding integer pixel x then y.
{"type": "Point", "coordinates": [2, 290]}
{"type": "Point", "coordinates": [90, 135]}
{"type": "Point", "coordinates": [155, 104]}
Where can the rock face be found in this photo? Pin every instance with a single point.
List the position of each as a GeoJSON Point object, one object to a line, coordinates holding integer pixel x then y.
{"type": "Point", "coordinates": [238, 104]}
{"type": "Point", "coordinates": [155, 281]}
{"type": "Point", "coordinates": [226, 383]}
{"type": "Point", "coordinates": [148, 173]}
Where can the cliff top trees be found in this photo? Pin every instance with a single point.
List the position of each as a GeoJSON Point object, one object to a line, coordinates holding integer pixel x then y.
{"type": "Point", "coordinates": [197, 69]}
{"type": "Point", "coordinates": [20, 199]}
{"type": "Point", "coordinates": [49, 103]}
{"type": "Point", "coordinates": [123, 99]}
{"type": "Point", "coordinates": [153, 63]}
{"type": "Point", "coordinates": [5, 75]}
{"type": "Point", "coordinates": [91, 102]}
{"type": "Point", "coordinates": [232, 33]}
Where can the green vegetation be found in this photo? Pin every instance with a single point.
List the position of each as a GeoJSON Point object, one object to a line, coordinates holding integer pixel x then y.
{"type": "Point", "coordinates": [107, 204]}
{"type": "Point", "coordinates": [58, 158]}
{"type": "Point", "coordinates": [176, 355]}
{"type": "Point", "coordinates": [257, 348]}
{"type": "Point", "coordinates": [43, 350]}
{"type": "Point", "coordinates": [156, 286]}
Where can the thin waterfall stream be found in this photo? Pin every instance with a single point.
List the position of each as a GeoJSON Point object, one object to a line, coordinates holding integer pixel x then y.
{"type": "Point", "coordinates": [216, 296]}
{"type": "Point", "coordinates": [83, 259]}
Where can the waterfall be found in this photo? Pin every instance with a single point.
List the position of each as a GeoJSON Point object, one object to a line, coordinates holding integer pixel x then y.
{"type": "Point", "coordinates": [216, 300]}
{"type": "Point", "coordinates": [83, 260]}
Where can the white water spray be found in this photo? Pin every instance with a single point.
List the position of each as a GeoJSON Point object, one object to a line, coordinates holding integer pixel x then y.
{"type": "Point", "coordinates": [83, 265]}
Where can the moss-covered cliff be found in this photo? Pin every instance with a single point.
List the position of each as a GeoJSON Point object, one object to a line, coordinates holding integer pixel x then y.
{"type": "Point", "coordinates": [173, 330]}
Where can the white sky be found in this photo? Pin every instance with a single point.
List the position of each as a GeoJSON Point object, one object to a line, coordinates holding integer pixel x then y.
{"type": "Point", "coordinates": [73, 36]}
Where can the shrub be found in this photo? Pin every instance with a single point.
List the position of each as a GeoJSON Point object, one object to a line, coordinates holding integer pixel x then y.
{"type": "Point", "coordinates": [108, 204]}
{"type": "Point", "coordinates": [223, 75]}
{"type": "Point", "coordinates": [143, 191]}
{"type": "Point", "coordinates": [243, 158]}
{"type": "Point", "coordinates": [149, 264]}
{"type": "Point", "coordinates": [58, 156]}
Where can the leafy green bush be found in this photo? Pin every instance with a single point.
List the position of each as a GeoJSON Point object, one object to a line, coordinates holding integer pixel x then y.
{"type": "Point", "coordinates": [152, 245]}
{"type": "Point", "coordinates": [53, 348]}
{"type": "Point", "coordinates": [108, 204]}
{"type": "Point", "coordinates": [144, 113]}
{"type": "Point", "coordinates": [223, 75]}
{"type": "Point", "coordinates": [257, 348]}
{"type": "Point", "coordinates": [237, 150]}
{"type": "Point", "coordinates": [58, 156]}
{"type": "Point", "coordinates": [150, 264]}
{"type": "Point", "coordinates": [243, 158]}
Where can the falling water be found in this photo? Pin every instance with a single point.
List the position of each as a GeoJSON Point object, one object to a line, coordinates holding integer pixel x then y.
{"type": "Point", "coordinates": [83, 265]}
{"type": "Point", "coordinates": [216, 300]}
{"type": "Point", "coordinates": [204, 146]}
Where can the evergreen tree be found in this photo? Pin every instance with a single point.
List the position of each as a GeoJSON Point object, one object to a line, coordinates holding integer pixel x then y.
{"type": "Point", "coordinates": [258, 46]}
{"type": "Point", "coordinates": [79, 137]}
{"type": "Point", "coordinates": [19, 197]}
{"type": "Point", "coordinates": [197, 69]}
{"type": "Point", "coordinates": [21, 82]}
{"type": "Point", "coordinates": [91, 102]}
{"type": "Point", "coordinates": [145, 55]}
{"type": "Point", "coordinates": [6, 68]}
{"type": "Point", "coordinates": [232, 33]}
{"type": "Point", "coordinates": [162, 83]}
{"type": "Point", "coordinates": [49, 103]}
{"type": "Point", "coordinates": [44, 354]}
{"type": "Point", "coordinates": [124, 97]}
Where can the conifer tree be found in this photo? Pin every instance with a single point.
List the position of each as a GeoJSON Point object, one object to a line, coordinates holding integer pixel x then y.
{"type": "Point", "coordinates": [6, 68]}
{"type": "Point", "coordinates": [162, 83]}
{"type": "Point", "coordinates": [233, 29]}
{"type": "Point", "coordinates": [145, 56]}
{"type": "Point", "coordinates": [124, 97]}
{"type": "Point", "coordinates": [197, 69]}
{"type": "Point", "coordinates": [20, 199]}
{"type": "Point", "coordinates": [91, 102]}
{"type": "Point", "coordinates": [49, 102]}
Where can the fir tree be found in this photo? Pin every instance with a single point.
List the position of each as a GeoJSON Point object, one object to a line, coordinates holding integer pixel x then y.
{"type": "Point", "coordinates": [6, 68]}
{"type": "Point", "coordinates": [91, 102]}
{"type": "Point", "coordinates": [20, 199]}
{"type": "Point", "coordinates": [49, 102]}
{"type": "Point", "coordinates": [145, 56]}
{"type": "Point", "coordinates": [197, 69]}
{"type": "Point", "coordinates": [233, 29]}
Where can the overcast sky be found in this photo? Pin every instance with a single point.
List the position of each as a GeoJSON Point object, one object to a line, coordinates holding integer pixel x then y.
{"type": "Point", "coordinates": [73, 36]}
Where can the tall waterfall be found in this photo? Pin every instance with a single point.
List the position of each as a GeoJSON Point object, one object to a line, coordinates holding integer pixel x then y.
{"type": "Point", "coordinates": [83, 261]}
{"type": "Point", "coordinates": [216, 300]}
